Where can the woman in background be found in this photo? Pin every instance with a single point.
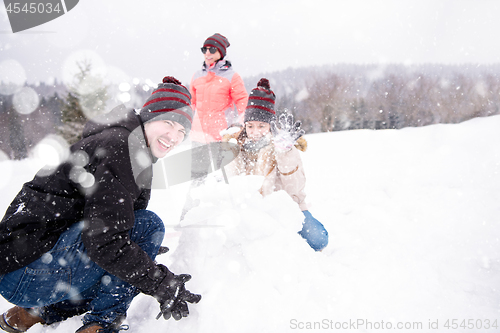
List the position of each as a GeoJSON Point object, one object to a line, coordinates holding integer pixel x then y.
{"type": "Point", "coordinates": [215, 90]}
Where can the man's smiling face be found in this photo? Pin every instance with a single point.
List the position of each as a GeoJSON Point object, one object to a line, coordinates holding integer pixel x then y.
{"type": "Point", "coordinates": [163, 136]}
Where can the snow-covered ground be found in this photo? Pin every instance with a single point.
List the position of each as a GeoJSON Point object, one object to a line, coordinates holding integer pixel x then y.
{"type": "Point", "coordinates": [414, 223]}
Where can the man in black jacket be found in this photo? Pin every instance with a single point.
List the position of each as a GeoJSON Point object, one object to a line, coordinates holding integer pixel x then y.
{"type": "Point", "coordinates": [78, 239]}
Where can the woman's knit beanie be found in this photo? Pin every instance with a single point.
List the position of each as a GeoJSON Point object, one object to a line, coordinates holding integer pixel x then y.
{"type": "Point", "coordinates": [219, 42]}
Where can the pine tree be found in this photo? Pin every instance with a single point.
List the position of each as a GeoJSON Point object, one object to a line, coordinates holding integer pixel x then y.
{"type": "Point", "coordinates": [73, 119]}
{"type": "Point", "coordinates": [17, 138]}
{"type": "Point", "coordinates": [86, 99]}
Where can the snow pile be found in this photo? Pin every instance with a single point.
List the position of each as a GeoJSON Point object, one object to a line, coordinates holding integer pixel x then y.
{"type": "Point", "coordinates": [242, 250]}
{"type": "Point", "coordinates": [414, 225]}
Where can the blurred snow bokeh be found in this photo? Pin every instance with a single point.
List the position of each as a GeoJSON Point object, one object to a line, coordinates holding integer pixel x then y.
{"type": "Point", "coordinates": [12, 76]}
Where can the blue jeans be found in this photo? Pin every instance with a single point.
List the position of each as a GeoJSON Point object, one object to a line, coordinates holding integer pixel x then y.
{"type": "Point", "coordinates": [314, 232]}
{"type": "Point", "coordinates": [64, 282]}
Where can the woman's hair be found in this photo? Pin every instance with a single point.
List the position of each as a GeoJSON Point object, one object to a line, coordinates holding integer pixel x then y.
{"type": "Point", "coordinates": [242, 136]}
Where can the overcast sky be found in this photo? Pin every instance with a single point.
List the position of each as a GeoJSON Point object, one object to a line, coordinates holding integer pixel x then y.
{"type": "Point", "coordinates": [153, 38]}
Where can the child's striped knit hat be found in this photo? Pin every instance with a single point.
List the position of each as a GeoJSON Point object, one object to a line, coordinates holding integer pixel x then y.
{"type": "Point", "coordinates": [261, 103]}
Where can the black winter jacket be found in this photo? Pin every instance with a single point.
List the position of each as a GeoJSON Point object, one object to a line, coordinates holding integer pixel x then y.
{"type": "Point", "coordinates": [107, 176]}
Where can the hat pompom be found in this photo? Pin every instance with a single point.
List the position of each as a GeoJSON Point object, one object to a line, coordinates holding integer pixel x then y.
{"type": "Point", "coordinates": [171, 79]}
{"type": "Point", "coordinates": [264, 83]}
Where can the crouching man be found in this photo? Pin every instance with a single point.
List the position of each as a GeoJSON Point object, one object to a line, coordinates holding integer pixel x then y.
{"type": "Point", "coordinates": [78, 239]}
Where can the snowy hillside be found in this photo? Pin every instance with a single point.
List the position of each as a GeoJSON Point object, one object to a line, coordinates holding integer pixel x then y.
{"type": "Point", "coordinates": [414, 223]}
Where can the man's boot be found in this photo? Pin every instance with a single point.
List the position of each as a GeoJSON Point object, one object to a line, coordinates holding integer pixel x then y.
{"type": "Point", "coordinates": [18, 319]}
{"type": "Point", "coordinates": [90, 328]}
{"type": "Point", "coordinates": [104, 328]}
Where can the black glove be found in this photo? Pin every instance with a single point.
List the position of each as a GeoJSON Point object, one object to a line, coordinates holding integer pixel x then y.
{"type": "Point", "coordinates": [288, 132]}
{"type": "Point", "coordinates": [173, 295]}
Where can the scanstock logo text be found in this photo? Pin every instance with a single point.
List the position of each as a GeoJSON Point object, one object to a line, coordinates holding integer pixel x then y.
{"type": "Point", "coordinates": [31, 13]}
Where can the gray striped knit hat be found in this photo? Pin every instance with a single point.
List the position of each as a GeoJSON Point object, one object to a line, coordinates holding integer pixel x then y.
{"type": "Point", "coordinates": [219, 42]}
{"type": "Point", "coordinates": [170, 101]}
{"type": "Point", "coordinates": [261, 103]}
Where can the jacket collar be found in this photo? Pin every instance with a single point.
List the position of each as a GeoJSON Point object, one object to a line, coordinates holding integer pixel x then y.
{"type": "Point", "coordinates": [221, 65]}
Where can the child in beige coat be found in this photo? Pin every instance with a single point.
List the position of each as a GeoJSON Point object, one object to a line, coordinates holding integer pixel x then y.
{"type": "Point", "coordinates": [273, 152]}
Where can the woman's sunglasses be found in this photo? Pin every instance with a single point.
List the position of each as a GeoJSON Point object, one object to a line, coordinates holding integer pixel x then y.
{"type": "Point", "coordinates": [211, 49]}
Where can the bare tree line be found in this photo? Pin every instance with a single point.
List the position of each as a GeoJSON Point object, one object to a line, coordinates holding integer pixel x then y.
{"type": "Point", "coordinates": [345, 97]}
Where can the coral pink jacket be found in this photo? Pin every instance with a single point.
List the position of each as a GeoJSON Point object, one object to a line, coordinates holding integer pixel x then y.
{"type": "Point", "coordinates": [214, 92]}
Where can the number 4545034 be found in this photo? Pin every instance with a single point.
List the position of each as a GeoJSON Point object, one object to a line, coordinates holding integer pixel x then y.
{"type": "Point", "coordinates": [471, 324]}
{"type": "Point", "coordinates": [33, 8]}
